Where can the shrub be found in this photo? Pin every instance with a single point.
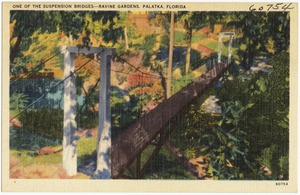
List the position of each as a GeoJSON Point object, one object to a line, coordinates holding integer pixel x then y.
{"type": "Point", "coordinates": [20, 139]}
{"type": "Point", "coordinates": [45, 122]}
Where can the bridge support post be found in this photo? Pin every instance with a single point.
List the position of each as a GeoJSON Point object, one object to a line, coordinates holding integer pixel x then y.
{"type": "Point", "coordinates": [220, 47]}
{"type": "Point", "coordinates": [70, 126]}
{"type": "Point", "coordinates": [230, 49]}
{"type": "Point", "coordinates": [103, 170]}
{"type": "Point", "coordinates": [221, 35]}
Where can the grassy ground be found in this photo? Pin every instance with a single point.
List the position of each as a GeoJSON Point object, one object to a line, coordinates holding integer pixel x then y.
{"type": "Point", "coordinates": [180, 38]}
{"type": "Point", "coordinates": [85, 148]}
{"type": "Point", "coordinates": [28, 157]}
{"type": "Point", "coordinates": [29, 164]}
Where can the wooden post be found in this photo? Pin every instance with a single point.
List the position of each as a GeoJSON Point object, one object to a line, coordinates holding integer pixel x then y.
{"type": "Point", "coordinates": [221, 35]}
{"type": "Point", "coordinates": [103, 170]}
{"type": "Point", "coordinates": [69, 143]}
{"type": "Point", "coordinates": [229, 49]}
{"type": "Point", "coordinates": [220, 47]}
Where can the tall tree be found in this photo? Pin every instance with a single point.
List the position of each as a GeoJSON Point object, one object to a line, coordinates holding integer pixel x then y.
{"type": "Point", "coordinates": [123, 23]}
{"type": "Point", "coordinates": [169, 75]}
{"type": "Point", "coordinates": [260, 30]}
{"type": "Point", "coordinates": [25, 23]}
{"type": "Point", "coordinates": [195, 21]}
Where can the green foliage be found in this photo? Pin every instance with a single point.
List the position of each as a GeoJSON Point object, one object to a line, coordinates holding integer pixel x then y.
{"type": "Point", "coordinates": [87, 119]}
{"type": "Point", "coordinates": [198, 20]}
{"type": "Point", "coordinates": [214, 46]}
{"type": "Point", "coordinates": [87, 116]}
{"type": "Point", "coordinates": [166, 166]}
{"type": "Point", "coordinates": [123, 112]}
{"type": "Point", "coordinates": [279, 165]}
{"type": "Point", "coordinates": [149, 43]}
{"type": "Point", "coordinates": [266, 157]}
{"type": "Point", "coordinates": [21, 139]}
{"type": "Point", "coordinates": [19, 66]}
{"type": "Point", "coordinates": [71, 23]}
{"type": "Point", "coordinates": [180, 38]}
{"type": "Point", "coordinates": [190, 129]}
{"type": "Point", "coordinates": [283, 164]}
{"type": "Point", "coordinates": [266, 124]}
{"type": "Point", "coordinates": [163, 166]}
{"type": "Point", "coordinates": [262, 84]}
{"type": "Point", "coordinates": [29, 157]}
{"type": "Point", "coordinates": [86, 147]}
{"type": "Point", "coordinates": [45, 122]}
{"type": "Point", "coordinates": [227, 145]}
{"type": "Point", "coordinates": [254, 117]}
{"type": "Point", "coordinates": [178, 84]}
{"type": "Point", "coordinates": [258, 30]}
{"type": "Point", "coordinates": [197, 37]}
{"type": "Point", "coordinates": [18, 101]}
{"type": "Point", "coordinates": [25, 24]}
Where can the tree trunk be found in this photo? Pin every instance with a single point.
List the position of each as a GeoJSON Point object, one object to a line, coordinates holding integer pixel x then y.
{"type": "Point", "coordinates": [15, 50]}
{"type": "Point", "coordinates": [169, 74]}
{"type": "Point", "coordinates": [188, 51]}
{"type": "Point", "coordinates": [126, 38]}
{"type": "Point", "coordinates": [163, 84]}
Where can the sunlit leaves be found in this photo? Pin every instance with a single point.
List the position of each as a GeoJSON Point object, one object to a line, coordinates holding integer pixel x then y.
{"type": "Point", "coordinates": [18, 101]}
{"type": "Point", "coordinates": [262, 84]}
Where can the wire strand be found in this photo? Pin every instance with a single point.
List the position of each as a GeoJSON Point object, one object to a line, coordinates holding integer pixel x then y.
{"type": "Point", "coordinates": [142, 74]}
{"type": "Point", "coordinates": [33, 69]}
{"type": "Point", "coordinates": [72, 73]}
{"type": "Point", "coordinates": [43, 95]}
{"type": "Point", "coordinates": [152, 76]}
{"type": "Point", "coordinates": [137, 69]}
{"type": "Point", "coordinates": [87, 96]}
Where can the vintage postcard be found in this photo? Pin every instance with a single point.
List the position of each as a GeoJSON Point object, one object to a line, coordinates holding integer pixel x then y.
{"type": "Point", "coordinates": [149, 96]}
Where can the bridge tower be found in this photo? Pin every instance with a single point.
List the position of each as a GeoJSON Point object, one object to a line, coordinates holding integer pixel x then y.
{"type": "Point", "coordinates": [103, 170]}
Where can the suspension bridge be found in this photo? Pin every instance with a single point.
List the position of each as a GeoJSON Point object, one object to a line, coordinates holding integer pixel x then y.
{"type": "Point", "coordinates": [116, 155]}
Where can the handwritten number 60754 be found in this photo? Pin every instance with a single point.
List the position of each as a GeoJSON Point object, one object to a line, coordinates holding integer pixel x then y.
{"type": "Point", "coordinates": [271, 7]}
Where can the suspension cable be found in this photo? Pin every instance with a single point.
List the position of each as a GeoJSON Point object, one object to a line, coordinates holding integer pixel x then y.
{"type": "Point", "coordinates": [33, 69]}
{"type": "Point", "coordinates": [137, 69]}
{"type": "Point", "coordinates": [87, 96]}
{"type": "Point", "coordinates": [43, 95]}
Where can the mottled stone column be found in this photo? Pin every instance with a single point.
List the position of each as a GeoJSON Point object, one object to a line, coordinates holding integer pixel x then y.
{"type": "Point", "coordinates": [70, 99]}
{"type": "Point", "coordinates": [103, 170]}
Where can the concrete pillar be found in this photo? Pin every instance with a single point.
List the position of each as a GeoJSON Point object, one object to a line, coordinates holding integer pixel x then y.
{"type": "Point", "coordinates": [230, 49]}
{"type": "Point", "coordinates": [103, 170]}
{"type": "Point", "coordinates": [70, 99]}
{"type": "Point", "coordinates": [220, 47]}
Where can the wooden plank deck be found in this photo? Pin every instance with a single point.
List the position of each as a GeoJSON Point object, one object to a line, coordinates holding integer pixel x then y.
{"type": "Point", "coordinates": [133, 140]}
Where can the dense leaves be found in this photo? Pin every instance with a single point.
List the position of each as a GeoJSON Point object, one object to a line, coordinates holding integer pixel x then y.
{"type": "Point", "coordinates": [46, 122]}
{"type": "Point", "coordinates": [249, 140]}
{"type": "Point", "coordinates": [18, 101]}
